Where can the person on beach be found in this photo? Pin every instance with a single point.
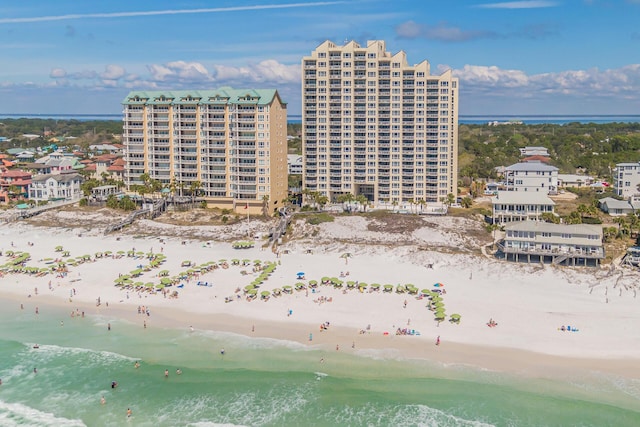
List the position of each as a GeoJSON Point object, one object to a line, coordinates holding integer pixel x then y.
{"type": "Point", "coordinates": [438, 340]}
{"type": "Point", "coordinates": [108, 326]}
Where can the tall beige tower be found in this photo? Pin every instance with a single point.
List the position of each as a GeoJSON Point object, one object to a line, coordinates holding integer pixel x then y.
{"type": "Point", "coordinates": [374, 125]}
{"type": "Point", "coordinates": [229, 143]}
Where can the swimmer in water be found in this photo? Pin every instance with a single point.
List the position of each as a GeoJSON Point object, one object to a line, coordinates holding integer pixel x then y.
{"type": "Point", "coordinates": [166, 373]}
{"type": "Point", "coordinates": [102, 400]}
{"type": "Point", "coordinates": [114, 384]}
{"type": "Point", "coordinates": [128, 413]}
{"type": "Point", "coordinates": [136, 365]}
{"type": "Point", "coordinates": [179, 371]}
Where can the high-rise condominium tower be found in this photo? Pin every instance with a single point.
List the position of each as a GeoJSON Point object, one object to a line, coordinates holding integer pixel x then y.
{"type": "Point", "coordinates": [229, 146]}
{"type": "Point", "coordinates": [374, 125]}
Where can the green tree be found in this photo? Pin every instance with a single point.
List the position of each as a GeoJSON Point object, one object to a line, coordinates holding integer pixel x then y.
{"type": "Point", "coordinates": [451, 199]}
{"type": "Point", "coordinates": [265, 205]}
{"type": "Point", "coordinates": [466, 202]}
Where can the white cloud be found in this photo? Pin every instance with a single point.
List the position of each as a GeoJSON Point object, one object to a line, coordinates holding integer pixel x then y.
{"type": "Point", "coordinates": [526, 4]}
{"type": "Point", "coordinates": [179, 70]}
{"type": "Point", "coordinates": [113, 72]}
{"type": "Point", "coordinates": [58, 73]}
{"type": "Point", "coordinates": [162, 12]}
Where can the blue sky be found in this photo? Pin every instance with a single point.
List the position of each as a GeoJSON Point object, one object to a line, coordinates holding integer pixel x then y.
{"type": "Point", "coordinates": [512, 57]}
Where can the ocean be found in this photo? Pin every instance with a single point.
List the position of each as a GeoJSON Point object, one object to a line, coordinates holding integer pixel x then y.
{"type": "Point", "coordinates": [463, 119]}
{"type": "Point", "coordinates": [262, 382]}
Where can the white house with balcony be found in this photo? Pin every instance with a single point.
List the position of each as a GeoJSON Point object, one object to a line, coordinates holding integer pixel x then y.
{"type": "Point", "coordinates": [533, 176]}
{"type": "Point", "coordinates": [294, 164]}
{"type": "Point", "coordinates": [560, 244]}
{"type": "Point", "coordinates": [511, 206]}
{"type": "Point", "coordinates": [626, 177]}
{"type": "Point", "coordinates": [64, 186]}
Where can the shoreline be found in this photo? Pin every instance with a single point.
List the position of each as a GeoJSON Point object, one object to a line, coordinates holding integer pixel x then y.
{"type": "Point", "coordinates": [513, 361]}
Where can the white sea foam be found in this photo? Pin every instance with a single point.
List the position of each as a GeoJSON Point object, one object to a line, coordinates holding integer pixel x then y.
{"type": "Point", "coordinates": [17, 414]}
{"type": "Point", "coordinates": [49, 351]}
{"type": "Point", "coordinates": [399, 416]}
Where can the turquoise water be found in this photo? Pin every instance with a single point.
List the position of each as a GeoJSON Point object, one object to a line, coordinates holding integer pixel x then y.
{"type": "Point", "coordinates": [260, 382]}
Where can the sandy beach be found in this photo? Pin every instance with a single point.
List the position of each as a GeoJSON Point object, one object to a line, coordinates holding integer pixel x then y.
{"type": "Point", "coordinates": [530, 303]}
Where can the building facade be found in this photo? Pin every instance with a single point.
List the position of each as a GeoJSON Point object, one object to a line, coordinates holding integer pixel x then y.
{"type": "Point", "coordinates": [374, 125]}
{"type": "Point", "coordinates": [532, 176]}
{"type": "Point", "coordinates": [64, 186]}
{"type": "Point", "coordinates": [536, 241]}
{"type": "Point", "coordinates": [626, 179]}
{"type": "Point", "coordinates": [229, 146]}
{"type": "Point", "coordinates": [512, 206]}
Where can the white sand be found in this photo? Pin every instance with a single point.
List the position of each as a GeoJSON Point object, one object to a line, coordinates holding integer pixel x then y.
{"type": "Point", "coordinates": [529, 303]}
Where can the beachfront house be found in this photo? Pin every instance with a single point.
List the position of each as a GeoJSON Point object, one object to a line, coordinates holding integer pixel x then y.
{"type": "Point", "coordinates": [64, 186]}
{"type": "Point", "coordinates": [615, 207]}
{"type": "Point", "coordinates": [626, 178]}
{"type": "Point", "coordinates": [532, 176]}
{"type": "Point", "coordinates": [510, 206]}
{"type": "Point", "coordinates": [14, 184]}
{"type": "Point", "coordinates": [560, 244]}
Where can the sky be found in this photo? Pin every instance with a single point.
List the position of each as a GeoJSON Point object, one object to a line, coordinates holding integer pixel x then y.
{"type": "Point", "coordinates": [529, 57]}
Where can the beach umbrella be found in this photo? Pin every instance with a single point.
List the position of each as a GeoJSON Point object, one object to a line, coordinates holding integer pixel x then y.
{"type": "Point", "coordinates": [455, 317]}
{"type": "Point", "coordinates": [257, 262]}
{"type": "Point", "coordinates": [438, 285]}
{"type": "Point", "coordinates": [252, 291]}
{"type": "Point", "coordinates": [108, 253]}
{"type": "Point", "coordinates": [265, 293]}
{"type": "Point", "coordinates": [313, 283]}
{"type": "Point", "coordinates": [346, 255]}
{"type": "Point", "coordinates": [138, 284]}
{"type": "Point", "coordinates": [120, 252]}
{"type": "Point", "coordinates": [222, 261]}
{"type": "Point", "coordinates": [375, 285]}
{"type": "Point", "coordinates": [160, 286]}
{"type": "Point", "coordinates": [165, 281]}
{"type": "Point", "coordinates": [300, 285]}
{"type": "Point", "coordinates": [148, 285]}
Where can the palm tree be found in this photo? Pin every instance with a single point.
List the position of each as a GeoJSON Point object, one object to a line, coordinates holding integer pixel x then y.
{"type": "Point", "coordinates": [194, 188]}
{"type": "Point", "coordinates": [265, 205]}
{"type": "Point", "coordinates": [395, 204]}
{"type": "Point", "coordinates": [321, 200]}
{"type": "Point", "coordinates": [634, 221]}
{"type": "Point", "coordinates": [466, 202]}
{"type": "Point", "coordinates": [362, 200]}
{"type": "Point", "coordinates": [451, 199]}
